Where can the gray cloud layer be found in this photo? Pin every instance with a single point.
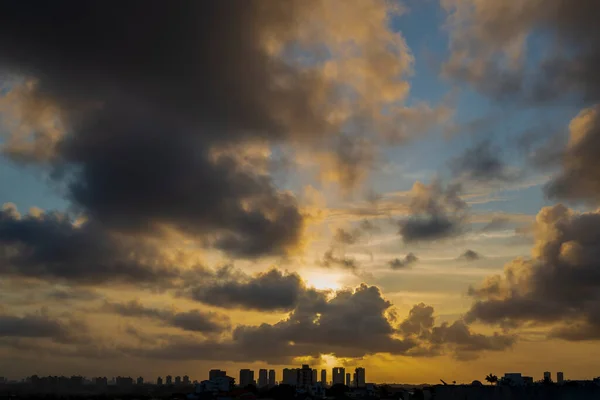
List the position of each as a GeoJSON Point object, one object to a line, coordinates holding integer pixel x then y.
{"type": "Point", "coordinates": [559, 285]}
{"type": "Point", "coordinates": [49, 246]}
{"type": "Point", "coordinates": [193, 320]}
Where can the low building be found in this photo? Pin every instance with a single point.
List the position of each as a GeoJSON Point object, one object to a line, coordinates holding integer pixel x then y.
{"type": "Point", "coordinates": [215, 385]}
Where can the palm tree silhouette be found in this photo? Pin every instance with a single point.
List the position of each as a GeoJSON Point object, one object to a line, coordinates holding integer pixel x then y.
{"type": "Point", "coordinates": [492, 379]}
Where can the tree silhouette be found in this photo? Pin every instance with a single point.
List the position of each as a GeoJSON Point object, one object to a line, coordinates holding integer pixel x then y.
{"type": "Point", "coordinates": [492, 379]}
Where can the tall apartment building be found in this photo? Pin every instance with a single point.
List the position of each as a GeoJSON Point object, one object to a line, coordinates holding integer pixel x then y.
{"type": "Point", "coordinates": [338, 375]}
{"type": "Point", "coordinates": [216, 373]}
{"type": "Point", "coordinates": [271, 377]}
{"type": "Point", "coordinates": [560, 377]}
{"type": "Point", "coordinates": [246, 377]}
{"type": "Point", "coordinates": [262, 378]}
{"type": "Point", "coordinates": [305, 375]}
{"type": "Point", "coordinates": [324, 377]}
{"type": "Point", "coordinates": [348, 380]}
{"type": "Point", "coordinates": [290, 376]}
{"type": "Point", "coordinates": [360, 377]}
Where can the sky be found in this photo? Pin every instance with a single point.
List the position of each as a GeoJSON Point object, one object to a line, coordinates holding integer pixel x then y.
{"type": "Point", "coordinates": [408, 186]}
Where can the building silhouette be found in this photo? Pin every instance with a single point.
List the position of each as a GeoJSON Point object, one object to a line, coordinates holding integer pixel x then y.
{"type": "Point", "coordinates": [290, 376]}
{"type": "Point", "coordinates": [214, 373]}
{"type": "Point", "coordinates": [169, 380]}
{"type": "Point", "coordinates": [124, 381]}
{"type": "Point", "coordinates": [348, 380]}
{"type": "Point", "coordinates": [324, 377]}
{"type": "Point", "coordinates": [338, 376]}
{"type": "Point", "coordinates": [140, 380]}
{"type": "Point", "coordinates": [186, 380]}
{"type": "Point", "coordinates": [178, 380]}
{"type": "Point", "coordinates": [360, 377]}
{"type": "Point", "coordinates": [271, 377]}
{"type": "Point", "coordinates": [100, 381]}
{"type": "Point", "coordinates": [262, 378]}
{"type": "Point", "coordinates": [560, 377]}
{"type": "Point", "coordinates": [159, 381]}
{"type": "Point", "coordinates": [305, 376]}
{"type": "Point", "coordinates": [246, 377]}
{"type": "Point", "coordinates": [547, 376]}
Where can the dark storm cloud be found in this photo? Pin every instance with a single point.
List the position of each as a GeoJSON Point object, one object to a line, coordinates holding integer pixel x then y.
{"type": "Point", "coordinates": [482, 163]}
{"type": "Point", "coordinates": [436, 213]}
{"type": "Point", "coordinates": [33, 326]}
{"type": "Point", "coordinates": [470, 255]}
{"type": "Point", "coordinates": [148, 105]}
{"type": "Point", "coordinates": [193, 320]}
{"type": "Point", "coordinates": [49, 246]}
{"type": "Point", "coordinates": [482, 31]}
{"type": "Point", "coordinates": [406, 262]}
{"type": "Point", "coordinates": [558, 285]}
{"type": "Point", "coordinates": [267, 291]}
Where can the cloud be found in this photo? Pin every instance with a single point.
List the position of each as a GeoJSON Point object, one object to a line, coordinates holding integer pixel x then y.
{"type": "Point", "coordinates": [557, 286]}
{"type": "Point", "coordinates": [40, 325]}
{"type": "Point", "coordinates": [579, 179]}
{"type": "Point", "coordinates": [49, 246]}
{"type": "Point", "coordinates": [348, 323]}
{"type": "Point", "coordinates": [456, 337]}
{"type": "Point", "coordinates": [31, 326]}
{"type": "Point", "coordinates": [495, 224]}
{"type": "Point", "coordinates": [74, 294]}
{"type": "Point", "coordinates": [408, 260]}
{"type": "Point", "coordinates": [193, 320]}
{"type": "Point", "coordinates": [271, 290]}
{"type": "Point", "coordinates": [489, 43]}
{"type": "Point", "coordinates": [157, 135]}
{"type": "Point", "coordinates": [343, 237]}
{"type": "Point", "coordinates": [482, 163]}
{"type": "Point", "coordinates": [436, 213]}
{"type": "Point", "coordinates": [470, 255]}
{"type": "Point", "coordinates": [351, 323]}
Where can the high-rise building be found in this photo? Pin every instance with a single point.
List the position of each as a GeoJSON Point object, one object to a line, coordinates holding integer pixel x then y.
{"type": "Point", "coordinates": [101, 381]}
{"type": "Point", "coordinates": [348, 381]}
{"type": "Point", "coordinates": [169, 380]}
{"type": "Point", "coordinates": [324, 377]}
{"type": "Point", "coordinates": [262, 378]}
{"type": "Point", "coordinates": [140, 380]}
{"type": "Point", "coordinates": [178, 380]}
{"type": "Point", "coordinates": [215, 373]}
{"type": "Point", "coordinates": [186, 380]}
{"type": "Point", "coordinates": [271, 377]}
{"type": "Point", "coordinates": [359, 377]}
{"type": "Point", "coordinates": [290, 376]}
{"type": "Point", "coordinates": [315, 375]}
{"type": "Point", "coordinates": [338, 375]}
{"type": "Point", "coordinates": [547, 376]}
{"type": "Point", "coordinates": [560, 377]}
{"type": "Point", "coordinates": [246, 377]}
{"type": "Point", "coordinates": [159, 381]}
{"type": "Point", "coordinates": [305, 375]}
{"type": "Point", "coordinates": [123, 381]}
